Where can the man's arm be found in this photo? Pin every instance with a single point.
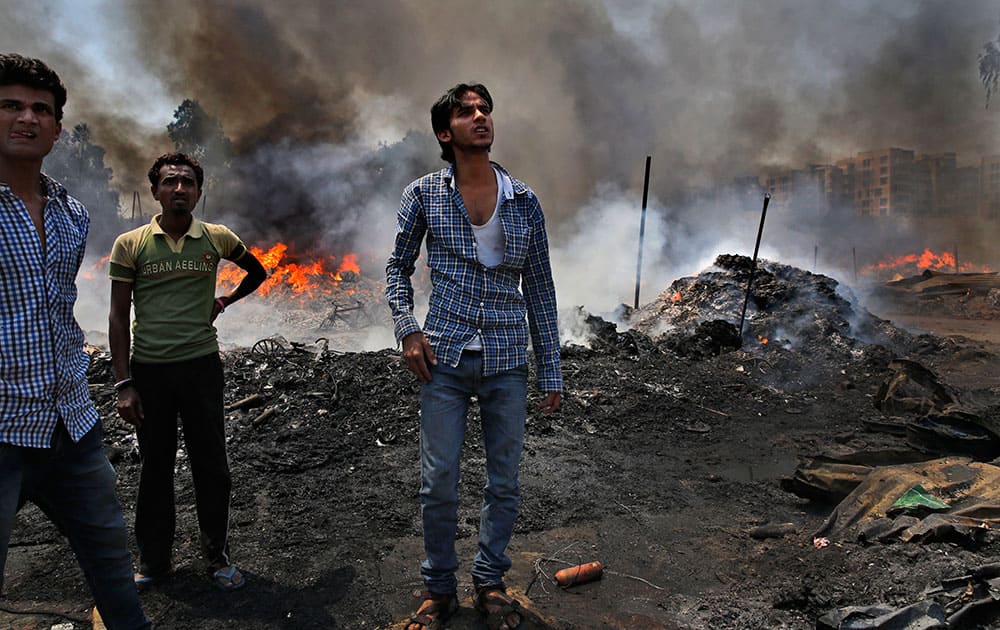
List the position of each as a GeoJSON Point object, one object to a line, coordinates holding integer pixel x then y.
{"type": "Point", "coordinates": [129, 405]}
{"type": "Point", "coordinates": [540, 299]}
{"type": "Point", "coordinates": [411, 225]}
{"type": "Point", "coordinates": [255, 276]}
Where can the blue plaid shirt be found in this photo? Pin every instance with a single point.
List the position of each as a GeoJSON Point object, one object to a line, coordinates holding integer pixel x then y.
{"type": "Point", "coordinates": [468, 298]}
{"type": "Point", "coordinates": [43, 368]}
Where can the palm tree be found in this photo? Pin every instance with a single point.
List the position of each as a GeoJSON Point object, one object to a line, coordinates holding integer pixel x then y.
{"type": "Point", "coordinates": [989, 67]}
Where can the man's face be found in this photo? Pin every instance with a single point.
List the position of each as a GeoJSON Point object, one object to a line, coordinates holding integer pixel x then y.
{"type": "Point", "coordinates": [471, 126]}
{"type": "Point", "coordinates": [177, 190]}
{"type": "Point", "coordinates": [27, 122]}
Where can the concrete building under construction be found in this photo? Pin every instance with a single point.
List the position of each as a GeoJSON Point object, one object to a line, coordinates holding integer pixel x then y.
{"type": "Point", "coordinates": [891, 182]}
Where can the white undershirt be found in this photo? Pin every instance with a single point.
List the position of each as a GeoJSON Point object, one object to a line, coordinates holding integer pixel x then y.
{"type": "Point", "coordinates": [490, 245]}
{"type": "Point", "coordinates": [489, 236]}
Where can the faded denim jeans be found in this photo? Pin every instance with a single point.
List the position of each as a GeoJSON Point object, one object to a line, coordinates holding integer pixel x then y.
{"type": "Point", "coordinates": [444, 404]}
{"type": "Point", "coordinates": [74, 485]}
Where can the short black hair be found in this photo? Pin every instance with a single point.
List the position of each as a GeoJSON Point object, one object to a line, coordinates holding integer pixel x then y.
{"type": "Point", "coordinates": [441, 112]}
{"type": "Point", "coordinates": [176, 159]}
{"type": "Point", "coordinates": [20, 70]}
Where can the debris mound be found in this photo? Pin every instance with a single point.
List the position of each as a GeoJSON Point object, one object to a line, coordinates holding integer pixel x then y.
{"type": "Point", "coordinates": [788, 306]}
{"type": "Point", "coordinates": [710, 338]}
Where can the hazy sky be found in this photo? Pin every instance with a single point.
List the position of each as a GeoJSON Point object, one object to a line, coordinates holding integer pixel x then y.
{"type": "Point", "coordinates": [710, 87]}
{"type": "Point", "coordinates": [584, 90]}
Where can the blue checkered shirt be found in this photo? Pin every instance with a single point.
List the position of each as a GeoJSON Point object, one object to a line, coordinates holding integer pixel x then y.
{"type": "Point", "coordinates": [43, 368]}
{"type": "Point", "coordinates": [468, 298]}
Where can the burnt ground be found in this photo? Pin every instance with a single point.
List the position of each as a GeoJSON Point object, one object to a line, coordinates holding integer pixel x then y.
{"type": "Point", "coordinates": [667, 453]}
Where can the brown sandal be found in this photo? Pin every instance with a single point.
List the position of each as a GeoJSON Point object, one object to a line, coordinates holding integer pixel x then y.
{"type": "Point", "coordinates": [434, 610]}
{"type": "Point", "coordinates": [494, 602]}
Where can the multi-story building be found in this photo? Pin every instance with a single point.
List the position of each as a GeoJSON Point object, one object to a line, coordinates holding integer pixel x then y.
{"type": "Point", "coordinates": [817, 189]}
{"type": "Point", "coordinates": [881, 182]}
{"type": "Point", "coordinates": [891, 182]}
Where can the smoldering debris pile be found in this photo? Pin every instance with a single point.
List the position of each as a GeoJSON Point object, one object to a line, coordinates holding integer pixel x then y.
{"type": "Point", "coordinates": [796, 320]}
{"type": "Point", "coordinates": [788, 308]}
{"type": "Point", "coordinates": [802, 328]}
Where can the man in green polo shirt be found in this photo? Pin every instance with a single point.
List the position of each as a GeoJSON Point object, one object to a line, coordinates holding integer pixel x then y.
{"type": "Point", "coordinates": [168, 270]}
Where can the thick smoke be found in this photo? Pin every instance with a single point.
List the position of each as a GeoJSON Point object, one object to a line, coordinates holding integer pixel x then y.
{"type": "Point", "coordinates": [327, 107]}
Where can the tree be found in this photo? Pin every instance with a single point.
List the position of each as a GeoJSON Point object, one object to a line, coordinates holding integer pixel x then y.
{"type": "Point", "coordinates": [200, 135]}
{"type": "Point", "coordinates": [78, 164]}
{"type": "Point", "coordinates": [989, 67]}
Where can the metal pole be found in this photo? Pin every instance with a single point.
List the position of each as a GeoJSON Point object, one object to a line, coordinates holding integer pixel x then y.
{"type": "Point", "coordinates": [642, 229]}
{"type": "Point", "coordinates": [753, 263]}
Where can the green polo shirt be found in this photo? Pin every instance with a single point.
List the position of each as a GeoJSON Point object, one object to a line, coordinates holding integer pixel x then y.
{"type": "Point", "coordinates": [173, 287]}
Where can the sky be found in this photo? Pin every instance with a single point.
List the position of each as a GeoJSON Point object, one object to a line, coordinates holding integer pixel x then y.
{"type": "Point", "coordinates": [310, 91]}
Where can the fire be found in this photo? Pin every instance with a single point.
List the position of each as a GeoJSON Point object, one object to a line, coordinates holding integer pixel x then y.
{"type": "Point", "coordinates": [676, 297]}
{"type": "Point", "coordinates": [763, 340]}
{"type": "Point", "coordinates": [96, 270]}
{"type": "Point", "coordinates": [945, 261]}
{"type": "Point", "coordinates": [298, 278]}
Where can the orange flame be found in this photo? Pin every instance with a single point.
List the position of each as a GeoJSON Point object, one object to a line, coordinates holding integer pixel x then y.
{"type": "Point", "coordinates": [349, 263]}
{"type": "Point", "coordinates": [676, 297]}
{"type": "Point", "coordinates": [763, 340]}
{"type": "Point", "coordinates": [925, 260]}
{"type": "Point", "coordinates": [95, 269]}
{"type": "Point", "coordinates": [299, 279]}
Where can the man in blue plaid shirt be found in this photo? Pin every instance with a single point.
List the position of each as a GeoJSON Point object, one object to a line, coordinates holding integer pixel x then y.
{"type": "Point", "coordinates": [486, 243]}
{"type": "Point", "coordinates": [50, 434]}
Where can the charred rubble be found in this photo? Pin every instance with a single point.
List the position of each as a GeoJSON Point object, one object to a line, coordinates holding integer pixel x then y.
{"type": "Point", "coordinates": [323, 446]}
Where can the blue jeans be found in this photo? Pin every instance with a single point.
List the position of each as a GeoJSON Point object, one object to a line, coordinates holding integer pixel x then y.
{"type": "Point", "coordinates": [74, 485]}
{"type": "Point", "coordinates": [444, 403]}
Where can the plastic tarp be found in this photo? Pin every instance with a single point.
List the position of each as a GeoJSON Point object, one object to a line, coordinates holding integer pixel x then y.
{"type": "Point", "coordinates": [830, 477]}
{"type": "Point", "coordinates": [924, 615]}
{"type": "Point", "coordinates": [971, 490]}
{"type": "Point", "coordinates": [962, 601]}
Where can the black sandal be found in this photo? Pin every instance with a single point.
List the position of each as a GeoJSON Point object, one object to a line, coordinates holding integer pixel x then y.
{"type": "Point", "coordinates": [503, 605]}
{"type": "Point", "coordinates": [434, 610]}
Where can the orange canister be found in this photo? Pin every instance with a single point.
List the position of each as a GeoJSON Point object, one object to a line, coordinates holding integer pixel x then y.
{"type": "Point", "coordinates": [580, 574]}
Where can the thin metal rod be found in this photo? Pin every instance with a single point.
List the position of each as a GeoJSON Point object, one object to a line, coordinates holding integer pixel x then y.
{"type": "Point", "coordinates": [136, 200]}
{"type": "Point", "coordinates": [642, 229]}
{"type": "Point", "coordinates": [753, 263]}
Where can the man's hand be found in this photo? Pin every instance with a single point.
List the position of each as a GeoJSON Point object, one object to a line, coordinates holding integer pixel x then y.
{"type": "Point", "coordinates": [129, 406]}
{"type": "Point", "coordinates": [417, 353]}
{"type": "Point", "coordinates": [218, 306]}
{"type": "Point", "coordinates": [551, 402]}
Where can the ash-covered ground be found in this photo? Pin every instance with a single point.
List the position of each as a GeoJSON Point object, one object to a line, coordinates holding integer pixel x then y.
{"type": "Point", "coordinates": [667, 455]}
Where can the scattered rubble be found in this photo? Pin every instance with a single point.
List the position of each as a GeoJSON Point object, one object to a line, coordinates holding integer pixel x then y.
{"type": "Point", "coordinates": [665, 462]}
{"type": "Point", "coordinates": [966, 295]}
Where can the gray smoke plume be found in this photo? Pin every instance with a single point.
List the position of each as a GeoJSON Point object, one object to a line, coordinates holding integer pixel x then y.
{"type": "Point", "coordinates": [327, 106]}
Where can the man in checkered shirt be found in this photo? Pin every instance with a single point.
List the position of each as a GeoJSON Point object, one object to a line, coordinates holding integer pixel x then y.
{"type": "Point", "coordinates": [492, 288]}
{"type": "Point", "coordinates": [50, 434]}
